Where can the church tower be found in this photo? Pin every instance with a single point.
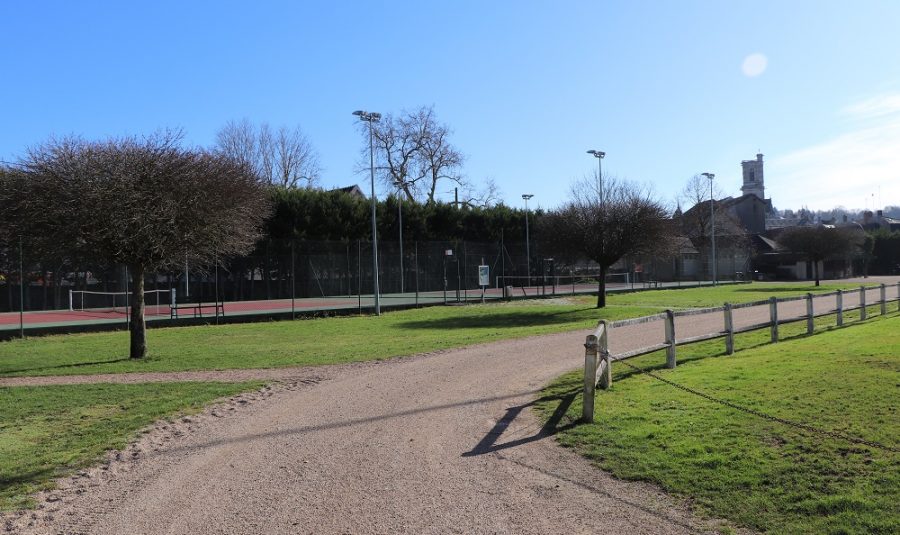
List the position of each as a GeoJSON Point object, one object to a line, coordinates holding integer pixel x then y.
{"type": "Point", "coordinates": [753, 177]}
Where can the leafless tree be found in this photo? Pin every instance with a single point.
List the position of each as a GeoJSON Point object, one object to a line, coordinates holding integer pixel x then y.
{"type": "Point", "coordinates": [628, 221]}
{"type": "Point", "coordinates": [414, 154]}
{"type": "Point", "coordinates": [145, 203]}
{"type": "Point", "coordinates": [821, 243]}
{"type": "Point", "coordinates": [283, 157]}
{"type": "Point", "coordinates": [489, 195]}
{"type": "Point", "coordinates": [696, 222]}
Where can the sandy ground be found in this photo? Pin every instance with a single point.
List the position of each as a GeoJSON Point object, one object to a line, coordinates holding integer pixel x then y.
{"type": "Point", "coordinates": [439, 443]}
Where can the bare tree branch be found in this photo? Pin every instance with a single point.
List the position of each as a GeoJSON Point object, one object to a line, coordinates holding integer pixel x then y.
{"type": "Point", "coordinates": [283, 158]}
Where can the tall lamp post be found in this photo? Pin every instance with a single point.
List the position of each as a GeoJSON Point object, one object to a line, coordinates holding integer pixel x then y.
{"type": "Point", "coordinates": [599, 154]}
{"type": "Point", "coordinates": [371, 117]}
{"type": "Point", "coordinates": [712, 218]}
{"type": "Point", "coordinates": [527, 196]}
{"type": "Point", "coordinates": [400, 221]}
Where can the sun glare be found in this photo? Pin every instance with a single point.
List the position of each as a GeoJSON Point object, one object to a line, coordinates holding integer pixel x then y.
{"type": "Point", "coordinates": [754, 65]}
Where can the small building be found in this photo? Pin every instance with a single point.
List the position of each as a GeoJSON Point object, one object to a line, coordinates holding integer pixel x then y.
{"type": "Point", "coordinates": [353, 190]}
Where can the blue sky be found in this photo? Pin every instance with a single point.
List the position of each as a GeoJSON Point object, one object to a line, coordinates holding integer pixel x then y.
{"type": "Point", "coordinates": [527, 87]}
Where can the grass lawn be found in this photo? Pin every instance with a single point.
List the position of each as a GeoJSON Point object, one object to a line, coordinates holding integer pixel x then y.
{"type": "Point", "coordinates": [730, 293]}
{"type": "Point", "coordinates": [46, 432]}
{"type": "Point", "coordinates": [755, 472]}
{"type": "Point", "coordinates": [350, 339]}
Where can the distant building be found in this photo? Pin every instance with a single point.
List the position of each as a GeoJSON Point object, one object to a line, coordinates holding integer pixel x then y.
{"type": "Point", "coordinates": [878, 220]}
{"type": "Point", "coordinates": [353, 190]}
{"type": "Point", "coordinates": [754, 181]}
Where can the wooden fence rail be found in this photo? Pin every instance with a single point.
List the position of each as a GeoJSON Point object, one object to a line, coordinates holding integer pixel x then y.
{"type": "Point", "coordinates": [598, 360]}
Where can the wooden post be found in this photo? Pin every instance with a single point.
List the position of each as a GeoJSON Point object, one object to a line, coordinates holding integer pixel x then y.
{"type": "Point", "coordinates": [670, 339]}
{"type": "Point", "coordinates": [729, 330]}
{"type": "Point", "coordinates": [883, 299]}
{"type": "Point", "coordinates": [590, 376]}
{"type": "Point", "coordinates": [810, 326]}
{"type": "Point", "coordinates": [773, 317]}
{"type": "Point", "coordinates": [840, 307]}
{"type": "Point", "coordinates": [605, 361]}
{"type": "Point", "coordinates": [862, 303]}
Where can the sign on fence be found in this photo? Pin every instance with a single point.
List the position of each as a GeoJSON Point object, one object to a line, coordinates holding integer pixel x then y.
{"type": "Point", "coordinates": [484, 276]}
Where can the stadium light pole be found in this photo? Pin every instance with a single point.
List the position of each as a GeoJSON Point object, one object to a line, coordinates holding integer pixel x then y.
{"type": "Point", "coordinates": [599, 154]}
{"type": "Point", "coordinates": [712, 218]}
{"type": "Point", "coordinates": [371, 117]}
{"type": "Point", "coordinates": [400, 221]}
{"type": "Point", "coordinates": [527, 196]}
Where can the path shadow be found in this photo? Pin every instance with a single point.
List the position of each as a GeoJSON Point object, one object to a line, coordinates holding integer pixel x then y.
{"type": "Point", "coordinates": [5, 373]}
{"type": "Point", "coordinates": [489, 444]}
{"type": "Point", "coordinates": [348, 422]}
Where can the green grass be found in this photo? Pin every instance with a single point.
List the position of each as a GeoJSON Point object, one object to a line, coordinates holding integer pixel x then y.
{"type": "Point", "coordinates": [47, 432]}
{"type": "Point", "coordinates": [754, 472]}
{"type": "Point", "coordinates": [299, 343]}
{"type": "Point", "coordinates": [349, 339]}
{"type": "Point", "coordinates": [729, 293]}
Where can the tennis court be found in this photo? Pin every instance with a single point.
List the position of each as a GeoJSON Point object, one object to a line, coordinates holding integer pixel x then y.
{"type": "Point", "coordinates": [81, 313]}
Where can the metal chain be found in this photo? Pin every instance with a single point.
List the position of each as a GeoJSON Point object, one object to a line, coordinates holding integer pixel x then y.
{"type": "Point", "coordinates": [798, 425]}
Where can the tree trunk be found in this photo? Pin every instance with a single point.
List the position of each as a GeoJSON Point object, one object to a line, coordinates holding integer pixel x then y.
{"type": "Point", "coordinates": [138, 326]}
{"type": "Point", "coordinates": [601, 288]}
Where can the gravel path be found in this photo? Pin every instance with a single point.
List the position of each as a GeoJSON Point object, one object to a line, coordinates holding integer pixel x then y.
{"type": "Point", "coordinates": [440, 443]}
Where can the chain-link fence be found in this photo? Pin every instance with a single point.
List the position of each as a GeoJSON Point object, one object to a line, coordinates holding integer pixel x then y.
{"type": "Point", "coordinates": [279, 269]}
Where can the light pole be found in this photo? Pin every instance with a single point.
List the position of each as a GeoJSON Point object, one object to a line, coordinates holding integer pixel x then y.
{"type": "Point", "coordinates": [527, 196]}
{"type": "Point", "coordinates": [371, 117]}
{"type": "Point", "coordinates": [599, 154]}
{"type": "Point", "coordinates": [400, 220]}
{"type": "Point", "coordinates": [712, 218]}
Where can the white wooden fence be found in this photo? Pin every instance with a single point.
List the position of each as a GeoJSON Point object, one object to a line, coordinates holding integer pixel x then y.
{"type": "Point", "coordinates": [598, 360]}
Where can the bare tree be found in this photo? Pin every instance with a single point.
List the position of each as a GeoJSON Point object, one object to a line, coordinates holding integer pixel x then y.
{"type": "Point", "coordinates": [146, 203]}
{"type": "Point", "coordinates": [821, 243]}
{"type": "Point", "coordinates": [628, 221]}
{"type": "Point", "coordinates": [283, 157]}
{"type": "Point", "coordinates": [489, 195]}
{"type": "Point", "coordinates": [696, 223]}
{"type": "Point", "coordinates": [413, 154]}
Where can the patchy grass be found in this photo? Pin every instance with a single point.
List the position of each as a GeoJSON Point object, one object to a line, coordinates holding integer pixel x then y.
{"type": "Point", "coordinates": [756, 472]}
{"type": "Point", "coordinates": [47, 432]}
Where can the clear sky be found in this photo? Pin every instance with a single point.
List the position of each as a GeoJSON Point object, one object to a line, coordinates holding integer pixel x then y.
{"type": "Point", "coordinates": [668, 89]}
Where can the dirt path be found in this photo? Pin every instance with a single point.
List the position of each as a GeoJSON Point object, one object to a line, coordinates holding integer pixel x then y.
{"type": "Point", "coordinates": [441, 443]}
{"type": "Point", "coordinates": [437, 444]}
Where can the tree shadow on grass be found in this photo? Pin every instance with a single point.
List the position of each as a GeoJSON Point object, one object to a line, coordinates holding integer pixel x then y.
{"type": "Point", "coordinates": [6, 373]}
{"type": "Point", "coordinates": [520, 319]}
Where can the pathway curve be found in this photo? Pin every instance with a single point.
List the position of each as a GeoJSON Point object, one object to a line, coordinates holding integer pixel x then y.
{"type": "Point", "coordinates": [440, 443]}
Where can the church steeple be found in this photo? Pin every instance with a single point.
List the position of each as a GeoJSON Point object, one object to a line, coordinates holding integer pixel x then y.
{"type": "Point", "coordinates": [753, 177]}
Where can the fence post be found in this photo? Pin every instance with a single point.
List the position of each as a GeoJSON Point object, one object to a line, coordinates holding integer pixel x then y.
{"type": "Point", "coordinates": [670, 339]}
{"type": "Point", "coordinates": [810, 326]}
{"type": "Point", "coordinates": [605, 362]}
{"type": "Point", "coordinates": [898, 297]}
{"type": "Point", "coordinates": [773, 317]}
{"type": "Point", "coordinates": [883, 299]}
{"type": "Point", "coordinates": [840, 307]}
{"type": "Point", "coordinates": [729, 330]}
{"type": "Point", "coordinates": [590, 376]}
{"type": "Point", "coordinates": [862, 303]}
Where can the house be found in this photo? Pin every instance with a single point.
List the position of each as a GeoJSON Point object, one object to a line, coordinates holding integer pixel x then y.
{"type": "Point", "coordinates": [353, 190]}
